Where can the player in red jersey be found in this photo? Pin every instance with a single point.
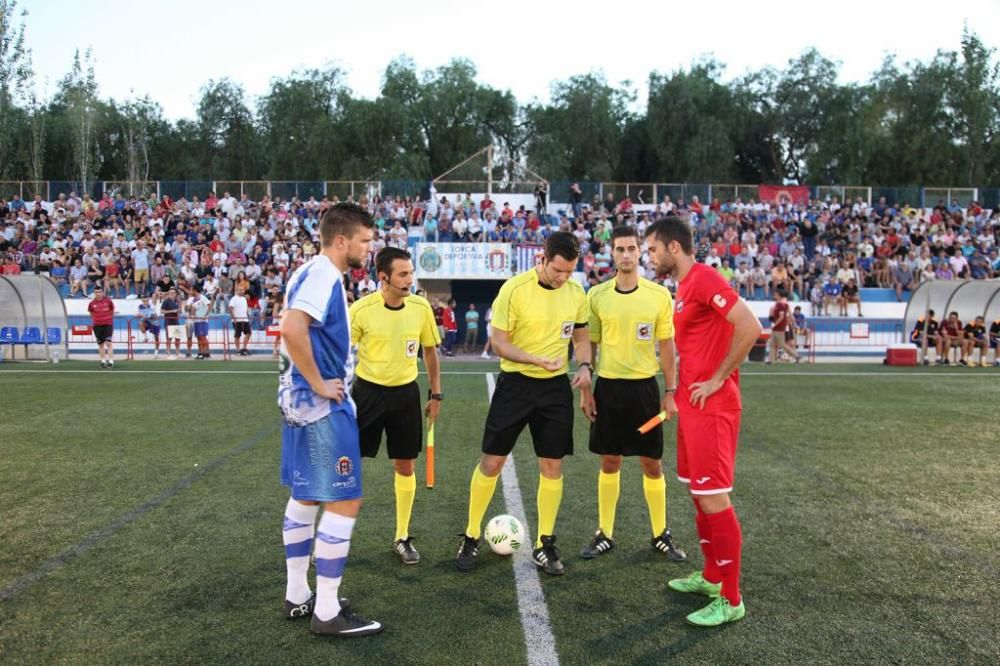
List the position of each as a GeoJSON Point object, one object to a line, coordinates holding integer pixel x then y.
{"type": "Point", "coordinates": [714, 331]}
{"type": "Point", "coordinates": [102, 312]}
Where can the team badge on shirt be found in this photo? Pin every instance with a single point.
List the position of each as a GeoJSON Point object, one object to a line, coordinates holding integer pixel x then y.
{"type": "Point", "coordinates": [567, 330]}
{"type": "Point", "coordinates": [344, 466]}
{"type": "Point", "coordinates": [644, 332]}
{"type": "Point", "coordinates": [719, 300]}
{"type": "Point", "coordinates": [678, 306]}
{"type": "Point", "coordinates": [411, 348]}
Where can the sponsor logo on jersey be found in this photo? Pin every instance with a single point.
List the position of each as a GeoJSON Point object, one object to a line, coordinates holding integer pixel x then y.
{"type": "Point", "coordinates": [567, 330]}
{"type": "Point", "coordinates": [644, 331]}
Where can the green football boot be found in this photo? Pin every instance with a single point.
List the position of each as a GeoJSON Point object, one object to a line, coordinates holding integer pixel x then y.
{"type": "Point", "coordinates": [695, 584]}
{"type": "Point", "coordinates": [720, 611]}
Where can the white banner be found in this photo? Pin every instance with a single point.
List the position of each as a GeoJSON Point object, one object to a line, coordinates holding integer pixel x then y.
{"type": "Point", "coordinates": [463, 261]}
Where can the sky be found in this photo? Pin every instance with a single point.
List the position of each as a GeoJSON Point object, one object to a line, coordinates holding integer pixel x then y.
{"type": "Point", "coordinates": [169, 49]}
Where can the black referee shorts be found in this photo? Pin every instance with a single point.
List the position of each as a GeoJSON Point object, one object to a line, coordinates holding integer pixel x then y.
{"type": "Point", "coordinates": [622, 406]}
{"type": "Point", "coordinates": [544, 405]}
{"type": "Point", "coordinates": [395, 410]}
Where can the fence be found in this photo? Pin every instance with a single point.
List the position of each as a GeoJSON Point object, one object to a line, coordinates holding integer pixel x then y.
{"type": "Point", "coordinates": [127, 337]}
{"type": "Point", "coordinates": [592, 191]}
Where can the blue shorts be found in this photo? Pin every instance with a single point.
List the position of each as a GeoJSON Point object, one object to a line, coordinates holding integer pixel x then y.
{"type": "Point", "coordinates": [154, 329]}
{"type": "Point", "coordinates": [321, 461]}
{"type": "Point", "coordinates": [201, 329]}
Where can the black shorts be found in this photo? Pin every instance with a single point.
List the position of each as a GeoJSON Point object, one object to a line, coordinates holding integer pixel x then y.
{"type": "Point", "coordinates": [104, 333]}
{"type": "Point", "coordinates": [241, 328]}
{"type": "Point", "coordinates": [622, 406]}
{"type": "Point", "coordinates": [544, 405]}
{"type": "Point", "coordinates": [397, 411]}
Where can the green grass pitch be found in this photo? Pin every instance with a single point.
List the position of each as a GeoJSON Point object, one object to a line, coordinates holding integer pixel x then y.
{"type": "Point", "coordinates": [868, 498]}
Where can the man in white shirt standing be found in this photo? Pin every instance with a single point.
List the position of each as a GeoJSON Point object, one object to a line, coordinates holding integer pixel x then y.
{"type": "Point", "coordinates": [239, 311]}
{"type": "Point", "coordinates": [199, 307]}
{"type": "Point", "coordinates": [140, 266]}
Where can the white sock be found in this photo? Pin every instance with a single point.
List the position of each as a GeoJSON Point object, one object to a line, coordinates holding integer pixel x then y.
{"type": "Point", "coordinates": [333, 541]}
{"type": "Point", "coordinates": [297, 533]}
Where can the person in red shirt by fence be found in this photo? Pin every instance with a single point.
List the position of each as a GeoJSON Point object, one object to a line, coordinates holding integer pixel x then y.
{"type": "Point", "coordinates": [102, 313]}
{"type": "Point", "coordinates": [450, 327]}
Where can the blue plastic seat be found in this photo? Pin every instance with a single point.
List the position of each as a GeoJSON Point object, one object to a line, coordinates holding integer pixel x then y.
{"type": "Point", "coordinates": [54, 335]}
{"type": "Point", "coordinates": [32, 336]}
{"type": "Point", "coordinates": [9, 335]}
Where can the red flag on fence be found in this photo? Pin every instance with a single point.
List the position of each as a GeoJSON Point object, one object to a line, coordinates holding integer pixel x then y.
{"type": "Point", "coordinates": [784, 194]}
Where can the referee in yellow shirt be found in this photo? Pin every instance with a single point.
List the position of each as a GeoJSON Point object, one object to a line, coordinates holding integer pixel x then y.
{"type": "Point", "coordinates": [535, 316]}
{"type": "Point", "coordinates": [388, 327]}
{"type": "Point", "coordinates": [630, 317]}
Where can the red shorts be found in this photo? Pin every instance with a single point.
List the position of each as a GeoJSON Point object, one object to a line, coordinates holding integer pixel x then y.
{"type": "Point", "coordinates": [706, 450]}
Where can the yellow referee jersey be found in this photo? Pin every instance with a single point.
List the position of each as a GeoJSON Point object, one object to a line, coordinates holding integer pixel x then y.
{"type": "Point", "coordinates": [628, 326]}
{"type": "Point", "coordinates": [389, 339]}
{"type": "Point", "coordinates": [540, 320]}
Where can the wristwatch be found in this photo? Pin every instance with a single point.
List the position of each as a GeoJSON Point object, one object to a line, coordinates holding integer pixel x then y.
{"type": "Point", "coordinates": [587, 365]}
{"type": "Point", "coordinates": [434, 396]}
{"type": "Point", "coordinates": [669, 390]}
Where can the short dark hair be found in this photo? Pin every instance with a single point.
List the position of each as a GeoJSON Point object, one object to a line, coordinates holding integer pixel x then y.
{"type": "Point", "coordinates": [562, 244]}
{"type": "Point", "coordinates": [624, 231]}
{"type": "Point", "coordinates": [385, 257]}
{"type": "Point", "coordinates": [671, 229]}
{"type": "Point", "coordinates": [343, 219]}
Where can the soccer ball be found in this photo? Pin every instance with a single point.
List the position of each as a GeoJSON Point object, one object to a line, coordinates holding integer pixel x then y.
{"type": "Point", "coordinates": [504, 534]}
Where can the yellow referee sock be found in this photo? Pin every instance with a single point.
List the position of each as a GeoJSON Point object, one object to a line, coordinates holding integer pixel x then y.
{"type": "Point", "coordinates": [480, 493]}
{"type": "Point", "coordinates": [406, 488]}
{"type": "Point", "coordinates": [655, 491]}
{"type": "Point", "coordinates": [608, 488]}
{"type": "Point", "coordinates": [549, 498]}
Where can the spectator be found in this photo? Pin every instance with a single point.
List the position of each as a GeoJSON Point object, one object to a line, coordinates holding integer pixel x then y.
{"type": "Point", "coordinates": [471, 328]}
{"type": "Point", "coordinates": [800, 328]}
{"type": "Point", "coordinates": [851, 295]}
{"type": "Point", "coordinates": [199, 306]}
{"type": "Point", "coordinates": [488, 318]}
{"type": "Point", "coordinates": [976, 338]}
{"type": "Point", "coordinates": [149, 324]}
{"type": "Point", "coordinates": [833, 293]}
{"type": "Point", "coordinates": [779, 327]}
{"type": "Point", "coordinates": [170, 308]}
{"type": "Point", "coordinates": [952, 337]}
{"type": "Point", "coordinates": [450, 326]}
{"type": "Point", "coordinates": [239, 312]}
{"type": "Point", "coordinates": [902, 279]}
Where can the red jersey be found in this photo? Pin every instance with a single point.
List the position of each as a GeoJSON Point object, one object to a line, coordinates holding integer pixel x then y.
{"type": "Point", "coordinates": [102, 310]}
{"type": "Point", "coordinates": [952, 329]}
{"type": "Point", "coordinates": [448, 320]}
{"type": "Point", "coordinates": [779, 311]}
{"type": "Point", "coordinates": [703, 337]}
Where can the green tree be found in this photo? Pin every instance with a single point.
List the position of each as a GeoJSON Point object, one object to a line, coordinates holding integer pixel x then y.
{"type": "Point", "coordinates": [578, 134]}
{"type": "Point", "coordinates": [229, 137]}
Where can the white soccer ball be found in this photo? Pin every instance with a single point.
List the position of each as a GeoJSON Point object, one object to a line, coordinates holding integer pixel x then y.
{"type": "Point", "coordinates": [505, 534]}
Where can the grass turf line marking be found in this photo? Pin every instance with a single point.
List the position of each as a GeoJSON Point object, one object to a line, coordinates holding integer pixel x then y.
{"type": "Point", "coordinates": [57, 562]}
{"type": "Point", "coordinates": [538, 638]}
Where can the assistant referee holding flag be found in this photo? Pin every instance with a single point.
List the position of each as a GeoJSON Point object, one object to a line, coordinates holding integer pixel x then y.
{"type": "Point", "coordinates": [630, 317]}
{"type": "Point", "coordinates": [535, 316]}
{"type": "Point", "coordinates": [388, 327]}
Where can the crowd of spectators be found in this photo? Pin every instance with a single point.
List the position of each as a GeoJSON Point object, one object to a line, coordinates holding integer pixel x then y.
{"type": "Point", "coordinates": [816, 252]}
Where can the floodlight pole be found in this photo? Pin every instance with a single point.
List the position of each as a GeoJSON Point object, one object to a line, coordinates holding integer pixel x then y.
{"type": "Point", "coordinates": [489, 170]}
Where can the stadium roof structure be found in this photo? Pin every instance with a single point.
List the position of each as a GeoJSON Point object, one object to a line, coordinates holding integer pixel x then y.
{"type": "Point", "coordinates": [33, 321]}
{"type": "Point", "coordinates": [969, 298]}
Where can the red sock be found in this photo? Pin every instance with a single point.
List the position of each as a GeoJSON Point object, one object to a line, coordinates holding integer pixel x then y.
{"type": "Point", "coordinates": [727, 543]}
{"type": "Point", "coordinates": [711, 569]}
